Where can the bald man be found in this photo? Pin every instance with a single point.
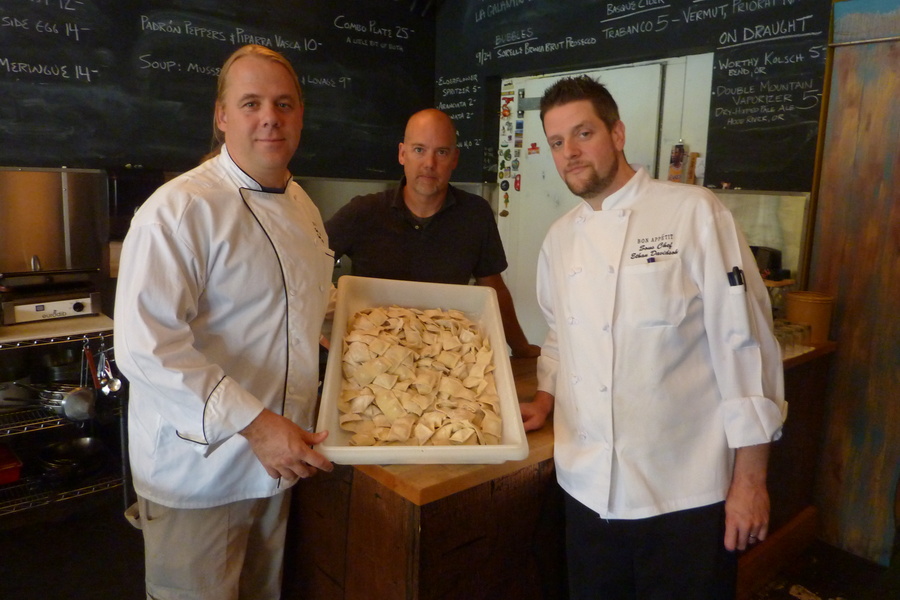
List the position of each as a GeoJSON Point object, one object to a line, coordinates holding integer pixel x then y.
{"type": "Point", "coordinates": [426, 229]}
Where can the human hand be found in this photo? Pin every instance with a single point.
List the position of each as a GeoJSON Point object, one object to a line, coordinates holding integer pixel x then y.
{"type": "Point", "coordinates": [534, 413]}
{"type": "Point", "coordinates": [746, 511]}
{"type": "Point", "coordinates": [284, 448]}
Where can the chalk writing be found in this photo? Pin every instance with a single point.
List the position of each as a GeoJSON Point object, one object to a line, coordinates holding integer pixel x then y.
{"type": "Point", "coordinates": [459, 99]}
{"type": "Point", "coordinates": [70, 30]}
{"type": "Point", "coordinates": [498, 8]}
{"type": "Point", "coordinates": [70, 72]}
{"type": "Point", "coordinates": [66, 5]}
{"type": "Point", "coordinates": [767, 32]}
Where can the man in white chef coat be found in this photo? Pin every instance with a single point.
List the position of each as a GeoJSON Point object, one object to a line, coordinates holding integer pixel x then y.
{"type": "Point", "coordinates": [224, 281]}
{"type": "Point", "coordinates": [660, 365]}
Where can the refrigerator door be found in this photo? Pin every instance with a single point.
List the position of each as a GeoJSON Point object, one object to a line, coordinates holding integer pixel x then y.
{"type": "Point", "coordinates": [535, 195]}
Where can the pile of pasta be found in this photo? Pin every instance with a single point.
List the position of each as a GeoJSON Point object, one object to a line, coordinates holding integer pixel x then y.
{"type": "Point", "coordinates": [418, 377]}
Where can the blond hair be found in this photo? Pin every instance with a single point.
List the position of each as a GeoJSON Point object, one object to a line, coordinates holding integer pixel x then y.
{"type": "Point", "coordinates": [249, 50]}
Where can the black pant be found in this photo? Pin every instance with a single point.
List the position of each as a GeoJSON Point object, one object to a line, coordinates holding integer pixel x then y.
{"type": "Point", "coordinates": [676, 556]}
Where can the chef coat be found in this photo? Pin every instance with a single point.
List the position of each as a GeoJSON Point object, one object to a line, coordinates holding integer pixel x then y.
{"type": "Point", "coordinates": [659, 366]}
{"type": "Point", "coordinates": [221, 294]}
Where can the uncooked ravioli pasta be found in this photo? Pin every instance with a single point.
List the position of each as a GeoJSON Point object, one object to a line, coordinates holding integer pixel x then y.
{"type": "Point", "coordinates": [417, 377]}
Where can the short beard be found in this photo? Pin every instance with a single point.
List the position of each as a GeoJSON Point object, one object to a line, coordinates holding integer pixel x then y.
{"type": "Point", "coordinates": [595, 185]}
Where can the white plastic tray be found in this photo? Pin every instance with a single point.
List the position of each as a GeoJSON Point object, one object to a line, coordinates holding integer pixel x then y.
{"type": "Point", "coordinates": [479, 304]}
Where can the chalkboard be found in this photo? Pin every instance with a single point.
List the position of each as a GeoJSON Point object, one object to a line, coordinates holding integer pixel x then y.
{"type": "Point", "coordinates": [767, 82]}
{"type": "Point", "coordinates": [110, 83]}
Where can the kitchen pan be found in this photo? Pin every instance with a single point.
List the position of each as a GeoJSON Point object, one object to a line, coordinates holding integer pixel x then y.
{"type": "Point", "coordinates": [73, 460]}
{"type": "Point", "coordinates": [13, 373]}
{"type": "Point", "coordinates": [14, 395]}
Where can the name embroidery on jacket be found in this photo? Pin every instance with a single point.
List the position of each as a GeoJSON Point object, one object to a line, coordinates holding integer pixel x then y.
{"type": "Point", "coordinates": [652, 247]}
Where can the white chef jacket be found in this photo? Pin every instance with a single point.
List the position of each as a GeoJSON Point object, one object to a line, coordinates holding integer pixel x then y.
{"type": "Point", "coordinates": [659, 366]}
{"type": "Point", "coordinates": [221, 294]}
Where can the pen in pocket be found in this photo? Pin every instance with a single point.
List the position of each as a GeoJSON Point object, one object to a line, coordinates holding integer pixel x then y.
{"type": "Point", "coordinates": [735, 277]}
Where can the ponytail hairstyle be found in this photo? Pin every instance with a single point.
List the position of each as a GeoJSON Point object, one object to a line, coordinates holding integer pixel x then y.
{"type": "Point", "coordinates": [218, 138]}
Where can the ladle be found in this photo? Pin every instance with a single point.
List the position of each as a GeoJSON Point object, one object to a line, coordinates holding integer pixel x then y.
{"type": "Point", "coordinates": [108, 381]}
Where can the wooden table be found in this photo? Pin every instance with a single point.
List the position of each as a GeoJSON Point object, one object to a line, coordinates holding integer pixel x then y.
{"type": "Point", "coordinates": [432, 531]}
{"type": "Point", "coordinates": [423, 532]}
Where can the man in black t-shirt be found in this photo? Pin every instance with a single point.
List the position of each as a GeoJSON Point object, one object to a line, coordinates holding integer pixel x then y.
{"type": "Point", "coordinates": [426, 229]}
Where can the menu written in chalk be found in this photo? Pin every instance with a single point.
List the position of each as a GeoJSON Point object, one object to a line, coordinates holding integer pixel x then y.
{"type": "Point", "coordinates": [529, 37]}
{"type": "Point", "coordinates": [460, 98]}
{"type": "Point", "coordinates": [767, 95]}
{"type": "Point", "coordinates": [132, 82]}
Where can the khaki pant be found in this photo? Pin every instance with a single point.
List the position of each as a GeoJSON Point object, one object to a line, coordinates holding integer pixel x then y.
{"type": "Point", "coordinates": [228, 552]}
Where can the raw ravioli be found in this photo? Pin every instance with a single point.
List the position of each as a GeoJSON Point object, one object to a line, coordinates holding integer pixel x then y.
{"type": "Point", "coordinates": [418, 377]}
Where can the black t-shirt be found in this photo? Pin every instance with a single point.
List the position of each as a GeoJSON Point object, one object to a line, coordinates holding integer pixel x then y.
{"type": "Point", "coordinates": [384, 239]}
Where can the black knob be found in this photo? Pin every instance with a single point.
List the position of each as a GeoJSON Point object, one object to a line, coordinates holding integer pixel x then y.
{"type": "Point", "coordinates": [78, 306]}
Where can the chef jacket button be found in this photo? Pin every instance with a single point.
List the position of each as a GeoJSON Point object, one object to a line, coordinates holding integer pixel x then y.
{"type": "Point", "coordinates": [603, 388]}
{"type": "Point", "coordinates": [611, 269]}
{"type": "Point", "coordinates": [606, 327]}
{"type": "Point", "coordinates": [572, 321]}
{"type": "Point", "coordinates": [582, 436]}
{"type": "Point", "coordinates": [576, 379]}
{"type": "Point", "coordinates": [293, 292]}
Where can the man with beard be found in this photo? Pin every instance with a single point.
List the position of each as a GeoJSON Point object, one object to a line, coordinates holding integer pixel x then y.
{"type": "Point", "coordinates": [661, 366]}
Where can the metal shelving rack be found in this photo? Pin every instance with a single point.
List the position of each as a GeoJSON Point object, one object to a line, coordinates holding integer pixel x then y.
{"type": "Point", "coordinates": [29, 420]}
{"type": "Point", "coordinates": [34, 491]}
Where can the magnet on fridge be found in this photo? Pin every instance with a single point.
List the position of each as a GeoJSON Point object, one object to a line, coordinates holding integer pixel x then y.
{"type": "Point", "coordinates": [504, 185]}
{"type": "Point", "coordinates": [505, 198]}
{"type": "Point", "coordinates": [534, 149]}
{"type": "Point", "coordinates": [518, 183]}
{"type": "Point", "coordinates": [676, 162]}
{"type": "Point", "coordinates": [505, 110]}
{"type": "Point", "coordinates": [515, 164]}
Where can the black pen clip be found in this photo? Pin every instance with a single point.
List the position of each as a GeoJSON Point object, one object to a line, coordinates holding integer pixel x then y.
{"type": "Point", "coordinates": [735, 277]}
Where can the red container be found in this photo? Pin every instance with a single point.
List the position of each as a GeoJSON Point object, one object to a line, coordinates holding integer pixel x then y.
{"type": "Point", "coordinates": [10, 466]}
